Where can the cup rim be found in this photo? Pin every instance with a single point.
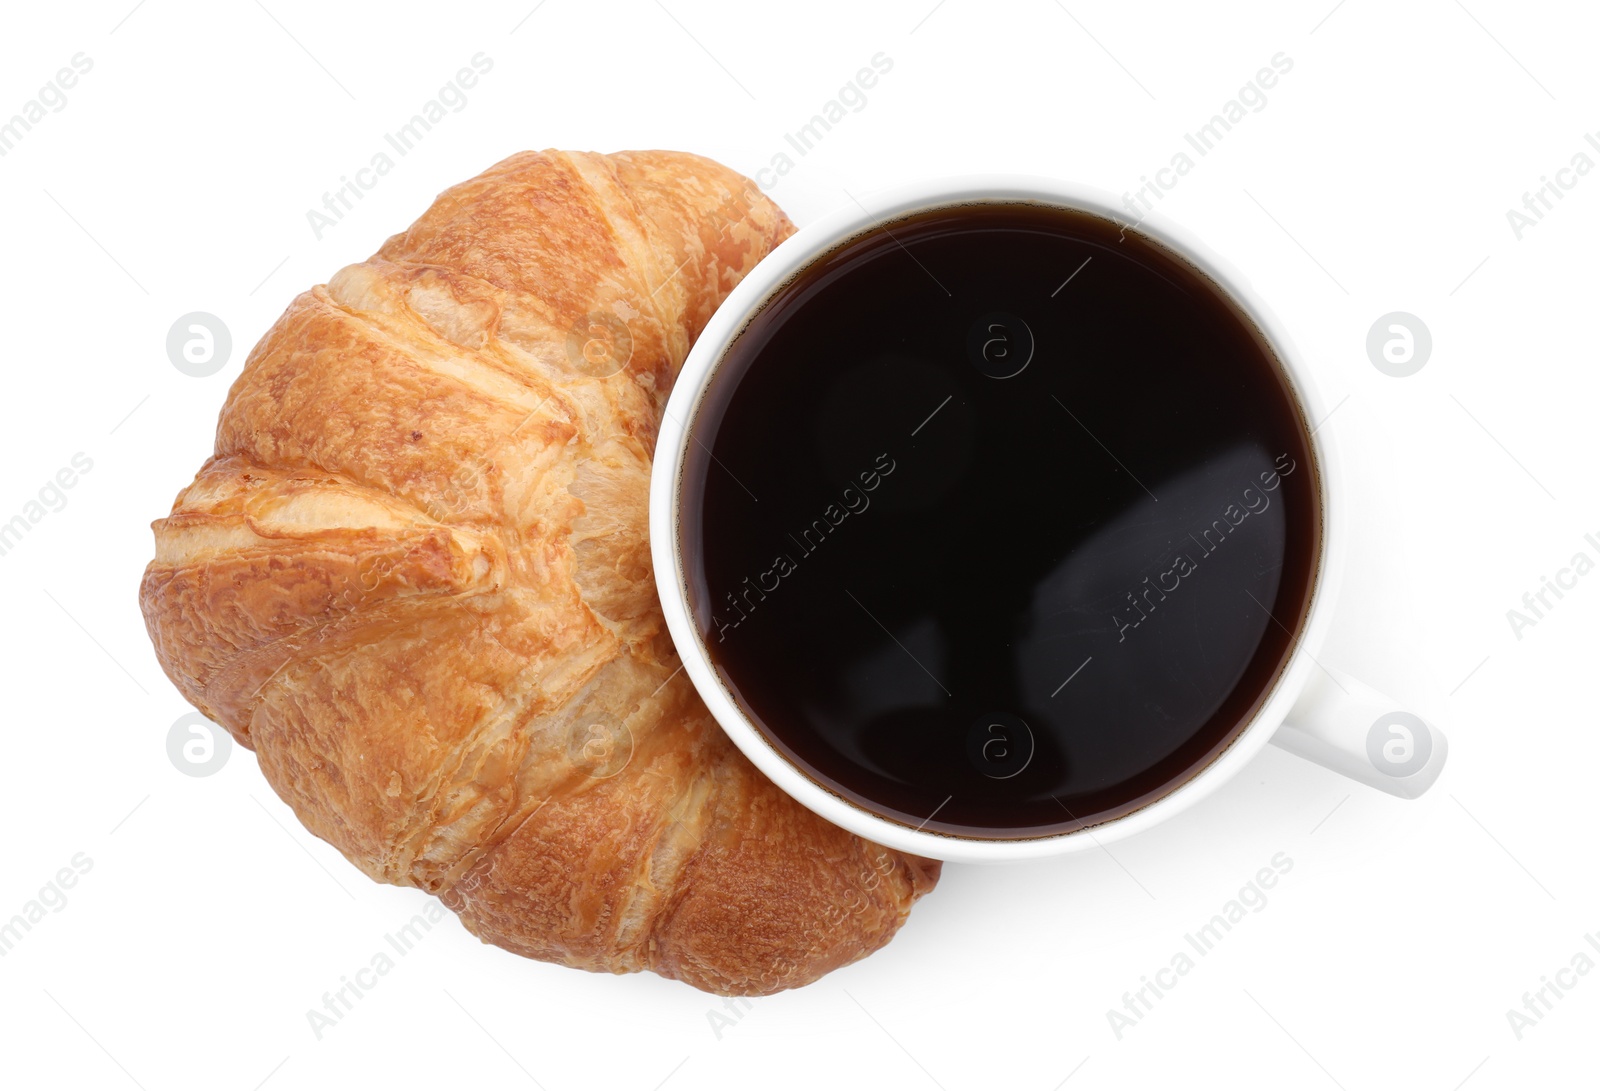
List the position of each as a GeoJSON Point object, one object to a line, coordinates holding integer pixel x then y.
{"type": "Point", "coordinates": [751, 295]}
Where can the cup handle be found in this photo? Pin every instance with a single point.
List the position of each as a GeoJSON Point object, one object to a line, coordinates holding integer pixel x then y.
{"type": "Point", "coordinates": [1347, 726]}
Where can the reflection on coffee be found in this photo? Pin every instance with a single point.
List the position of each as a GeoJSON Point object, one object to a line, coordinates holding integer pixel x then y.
{"type": "Point", "coordinates": [999, 520]}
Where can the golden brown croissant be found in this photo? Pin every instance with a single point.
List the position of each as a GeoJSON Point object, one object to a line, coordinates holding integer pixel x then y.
{"type": "Point", "coordinates": [415, 578]}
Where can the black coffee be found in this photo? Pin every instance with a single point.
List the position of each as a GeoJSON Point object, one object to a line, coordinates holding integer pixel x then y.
{"type": "Point", "coordinates": [998, 521]}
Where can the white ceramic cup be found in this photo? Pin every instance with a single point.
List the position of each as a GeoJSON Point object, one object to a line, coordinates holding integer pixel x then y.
{"type": "Point", "coordinates": [1312, 711]}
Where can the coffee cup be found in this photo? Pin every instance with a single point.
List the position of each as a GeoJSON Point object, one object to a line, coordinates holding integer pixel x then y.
{"type": "Point", "coordinates": [1301, 703]}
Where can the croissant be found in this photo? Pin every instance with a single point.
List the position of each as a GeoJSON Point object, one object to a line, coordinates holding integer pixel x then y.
{"type": "Point", "coordinates": [415, 579]}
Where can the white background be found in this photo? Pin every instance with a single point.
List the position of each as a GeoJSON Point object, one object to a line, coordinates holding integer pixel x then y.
{"type": "Point", "coordinates": [1377, 178]}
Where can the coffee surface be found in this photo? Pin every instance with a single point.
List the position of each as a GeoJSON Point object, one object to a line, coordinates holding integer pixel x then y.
{"type": "Point", "coordinates": [998, 521]}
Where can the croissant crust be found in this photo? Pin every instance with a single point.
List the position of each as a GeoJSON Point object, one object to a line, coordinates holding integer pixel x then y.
{"type": "Point", "coordinates": [415, 579]}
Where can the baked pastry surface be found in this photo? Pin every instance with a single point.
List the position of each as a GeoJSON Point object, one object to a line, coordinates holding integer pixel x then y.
{"type": "Point", "coordinates": [415, 579]}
